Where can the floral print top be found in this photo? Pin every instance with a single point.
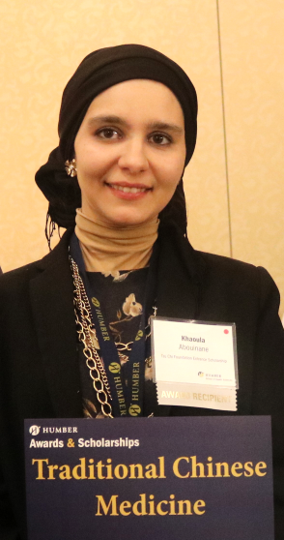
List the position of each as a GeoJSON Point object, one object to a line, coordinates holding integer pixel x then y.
{"type": "Point", "coordinates": [121, 299]}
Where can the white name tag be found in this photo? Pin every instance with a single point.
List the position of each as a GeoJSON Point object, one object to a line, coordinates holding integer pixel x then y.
{"type": "Point", "coordinates": [195, 363]}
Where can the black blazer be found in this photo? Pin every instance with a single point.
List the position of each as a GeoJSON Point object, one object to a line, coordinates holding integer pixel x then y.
{"type": "Point", "coordinates": [39, 372]}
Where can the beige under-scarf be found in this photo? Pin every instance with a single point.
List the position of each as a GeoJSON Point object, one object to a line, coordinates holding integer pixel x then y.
{"type": "Point", "coordinates": [110, 250]}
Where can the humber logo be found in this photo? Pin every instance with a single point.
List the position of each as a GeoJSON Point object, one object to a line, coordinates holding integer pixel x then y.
{"type": "Point", "coordinates": [114, 367]}
{"type": "Point", "coordinates": [34, 430]}
{"type": "Point", "coordinates": [95, 302]}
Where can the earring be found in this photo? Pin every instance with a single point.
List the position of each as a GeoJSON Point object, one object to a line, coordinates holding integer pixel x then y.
{"type": "Point", "coordinates": [70, 167]}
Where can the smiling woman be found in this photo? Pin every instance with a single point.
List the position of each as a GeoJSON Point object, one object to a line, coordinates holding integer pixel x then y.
{"type": "Point", "coordinates": [75, 335]}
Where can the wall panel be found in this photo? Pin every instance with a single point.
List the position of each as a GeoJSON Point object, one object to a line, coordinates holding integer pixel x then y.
{"type": "Point", "coordinates": [252, 39]}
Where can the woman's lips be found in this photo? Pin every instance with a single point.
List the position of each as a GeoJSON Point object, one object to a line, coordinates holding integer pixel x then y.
{"type": "Point", "coordinates": [129, 189]}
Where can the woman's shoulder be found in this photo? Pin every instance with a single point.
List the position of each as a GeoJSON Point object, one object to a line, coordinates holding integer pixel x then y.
{"type": "Point", "coordinates": [20, 277]}
{"type": "Point", "coordinates": [238, 279]}
{"type": "Point", "coordinates": [232, 268]}
{"type": "Point", "coordinates": [228, 264]}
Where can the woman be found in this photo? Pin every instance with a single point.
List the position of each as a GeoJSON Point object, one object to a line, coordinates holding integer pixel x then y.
{"type": "Point", "coordinates": [127, 129]}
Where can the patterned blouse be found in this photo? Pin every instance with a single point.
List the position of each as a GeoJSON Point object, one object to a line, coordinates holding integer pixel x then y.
{"type": "Point", "coordinates": [121, 300]}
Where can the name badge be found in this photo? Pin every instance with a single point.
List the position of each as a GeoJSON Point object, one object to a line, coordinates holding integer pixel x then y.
{"type": "Point", "coordinates": [195, 363]}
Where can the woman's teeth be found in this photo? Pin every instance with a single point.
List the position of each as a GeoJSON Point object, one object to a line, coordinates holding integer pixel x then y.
{"type": "Point", "coordinates": [128, 189]}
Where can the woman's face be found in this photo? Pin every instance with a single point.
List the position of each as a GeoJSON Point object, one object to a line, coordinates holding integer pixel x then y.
{"type": "Point", "coordinates": [130, 153]}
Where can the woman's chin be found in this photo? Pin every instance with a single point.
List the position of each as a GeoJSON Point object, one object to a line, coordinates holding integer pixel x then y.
{"type": "Point", "coordinates": [129, 220]}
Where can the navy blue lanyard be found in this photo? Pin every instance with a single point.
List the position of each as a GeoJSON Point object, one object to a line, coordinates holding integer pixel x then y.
{"type": "Point", "coordinates": [127, 400]}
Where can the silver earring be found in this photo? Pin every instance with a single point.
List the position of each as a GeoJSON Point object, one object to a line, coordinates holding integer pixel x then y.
{"type": "Point", "coordinates": [70, 167]}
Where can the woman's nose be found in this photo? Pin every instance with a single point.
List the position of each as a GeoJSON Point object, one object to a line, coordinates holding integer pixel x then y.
{"type": "Point", "coordinates": [133, 156]}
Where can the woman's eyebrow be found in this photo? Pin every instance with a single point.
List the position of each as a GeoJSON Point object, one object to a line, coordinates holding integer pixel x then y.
{"type": "Point", "coordinates": [106, 119]}
{"type": "Point", "coordinates": [166, 126]}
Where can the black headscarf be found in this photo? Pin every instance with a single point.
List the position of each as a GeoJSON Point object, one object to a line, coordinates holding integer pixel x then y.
{"type": "Point", "coordinates": [97, 72]}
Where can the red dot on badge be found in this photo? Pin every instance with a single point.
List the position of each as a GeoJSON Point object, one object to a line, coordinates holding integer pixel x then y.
{"type": "Point", "coordinates": [226, 331]}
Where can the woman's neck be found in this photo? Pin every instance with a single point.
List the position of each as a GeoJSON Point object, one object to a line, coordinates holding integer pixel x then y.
{"type": "Point", "coordinates": [109, 250]}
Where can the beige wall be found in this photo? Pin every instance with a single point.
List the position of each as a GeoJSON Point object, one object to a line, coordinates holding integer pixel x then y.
{"type": "Point", "coordinates": [233, 51]}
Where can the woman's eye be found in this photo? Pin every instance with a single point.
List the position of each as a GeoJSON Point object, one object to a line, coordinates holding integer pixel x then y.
{"type": "Point", "coordinates": [160, 139]}
{"type": "Point", "coordinates": [108, 133]}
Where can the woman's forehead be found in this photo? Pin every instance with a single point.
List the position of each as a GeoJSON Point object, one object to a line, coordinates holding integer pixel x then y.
{"type": "Point", "coordinates": [137, 98]}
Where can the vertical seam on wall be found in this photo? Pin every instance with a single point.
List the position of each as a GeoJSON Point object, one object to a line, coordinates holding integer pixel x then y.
{"type": "Point", "coordinates": [224, 129]}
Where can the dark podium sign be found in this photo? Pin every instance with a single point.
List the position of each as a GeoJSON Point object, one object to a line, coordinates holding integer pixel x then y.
{"type": "Point", "coordinates": [160, 478]}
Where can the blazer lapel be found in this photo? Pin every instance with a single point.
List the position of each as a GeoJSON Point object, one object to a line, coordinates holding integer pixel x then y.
{"type": "Point", "coordinates": [178, 283]}
{"type": "Point", "coordinates": [180, 269]}
{"type": "Point", "coordinates": [51, 295]}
